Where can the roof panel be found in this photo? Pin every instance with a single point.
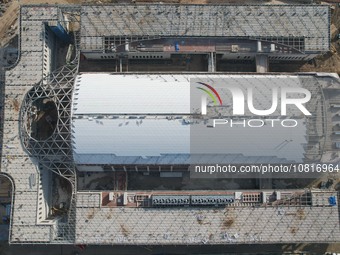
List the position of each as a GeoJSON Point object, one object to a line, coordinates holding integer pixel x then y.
{"type": "Point", "coordinates": [117, 141]}
{"type": "Point", "coordinates": [150, 136]}
{"type": "Point", "coordinates": [258, 21]}
{"type": "Point", "coordinates": [130, 94]}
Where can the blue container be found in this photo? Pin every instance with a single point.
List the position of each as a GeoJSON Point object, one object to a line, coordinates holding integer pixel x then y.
{"type": "Point", "coordinates": [176, 46]}
{"type": "Point", "coordinates": [332, 201]}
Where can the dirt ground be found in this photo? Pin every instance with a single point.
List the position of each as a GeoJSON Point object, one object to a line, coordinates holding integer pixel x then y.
{"type": "Point", "coordinates": [329, 62]}
{"type": "Point", "coordinates": [8, 23]}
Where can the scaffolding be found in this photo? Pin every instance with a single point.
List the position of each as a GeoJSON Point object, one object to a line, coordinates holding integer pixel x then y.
{"type": "Point", "coordinates": [24, 159]}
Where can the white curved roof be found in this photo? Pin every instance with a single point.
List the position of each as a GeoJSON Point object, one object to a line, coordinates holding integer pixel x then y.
{"type": "Point", "coordinates": [124, 119]}
{"type": "Point", "coordinates": [130, 94]}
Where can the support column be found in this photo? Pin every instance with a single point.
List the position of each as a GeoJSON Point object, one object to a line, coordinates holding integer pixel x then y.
{"type": "Point", "coordinates": [262, 63]}
{"type": "Point", "coordinates": [266, 183]}
{"type": "Point", "coordinates": [211, 62]}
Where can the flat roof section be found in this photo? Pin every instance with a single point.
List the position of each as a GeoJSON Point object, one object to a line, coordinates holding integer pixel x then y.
{"type": "Point", "coordinates": [163, 20]}
{"type": "Point", "coordinates": [190, 226]}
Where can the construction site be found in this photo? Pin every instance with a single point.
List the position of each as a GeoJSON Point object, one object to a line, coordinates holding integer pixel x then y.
{"type": "Point", "coordinates": [97, 120]}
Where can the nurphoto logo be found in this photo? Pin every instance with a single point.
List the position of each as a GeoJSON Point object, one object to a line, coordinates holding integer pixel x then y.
{"type": "Point", "coordinates": [239, 102]}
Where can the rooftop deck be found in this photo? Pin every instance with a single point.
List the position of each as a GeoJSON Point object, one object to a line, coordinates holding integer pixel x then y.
{"type": "Point", "coordinates": [163, 20]}
{"type": "Point", "coordinates": [15, 160]}
{"type": "Point", "coordinates": [228, 225]}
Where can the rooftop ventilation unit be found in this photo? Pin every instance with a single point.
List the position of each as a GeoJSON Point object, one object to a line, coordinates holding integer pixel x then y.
{"type": "Point", "coordinates": [211, 200]}
{"type": "Point", "coordinates": [170, 200]}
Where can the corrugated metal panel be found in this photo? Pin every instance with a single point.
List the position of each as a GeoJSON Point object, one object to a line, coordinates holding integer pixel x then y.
{"type": "Point", "coordinates": [178, 159]}
{"type": "Point", "coordinates": [130, 94]}
{"type": "Point", "coordinates": [103, 93]}
{"type": "Point", "coordinates": [120, 139]}
{"type": "Point", "coordinates": [124, 137]}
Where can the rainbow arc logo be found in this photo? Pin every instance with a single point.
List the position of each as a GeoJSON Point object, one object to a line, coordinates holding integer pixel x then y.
{"type": "Point", "coordinates": [212, 93]}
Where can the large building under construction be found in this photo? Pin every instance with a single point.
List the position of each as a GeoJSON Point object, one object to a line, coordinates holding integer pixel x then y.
{"type": "Point", "coordinates": [103, 93]}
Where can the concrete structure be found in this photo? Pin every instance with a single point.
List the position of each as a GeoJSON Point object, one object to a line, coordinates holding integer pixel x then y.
{"type": "Point", "coordinates": [286, 32]}
{"type": "Point", "coordinates": [94, 218]}
{"type": "Point", "coordinates": [188, 226]}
